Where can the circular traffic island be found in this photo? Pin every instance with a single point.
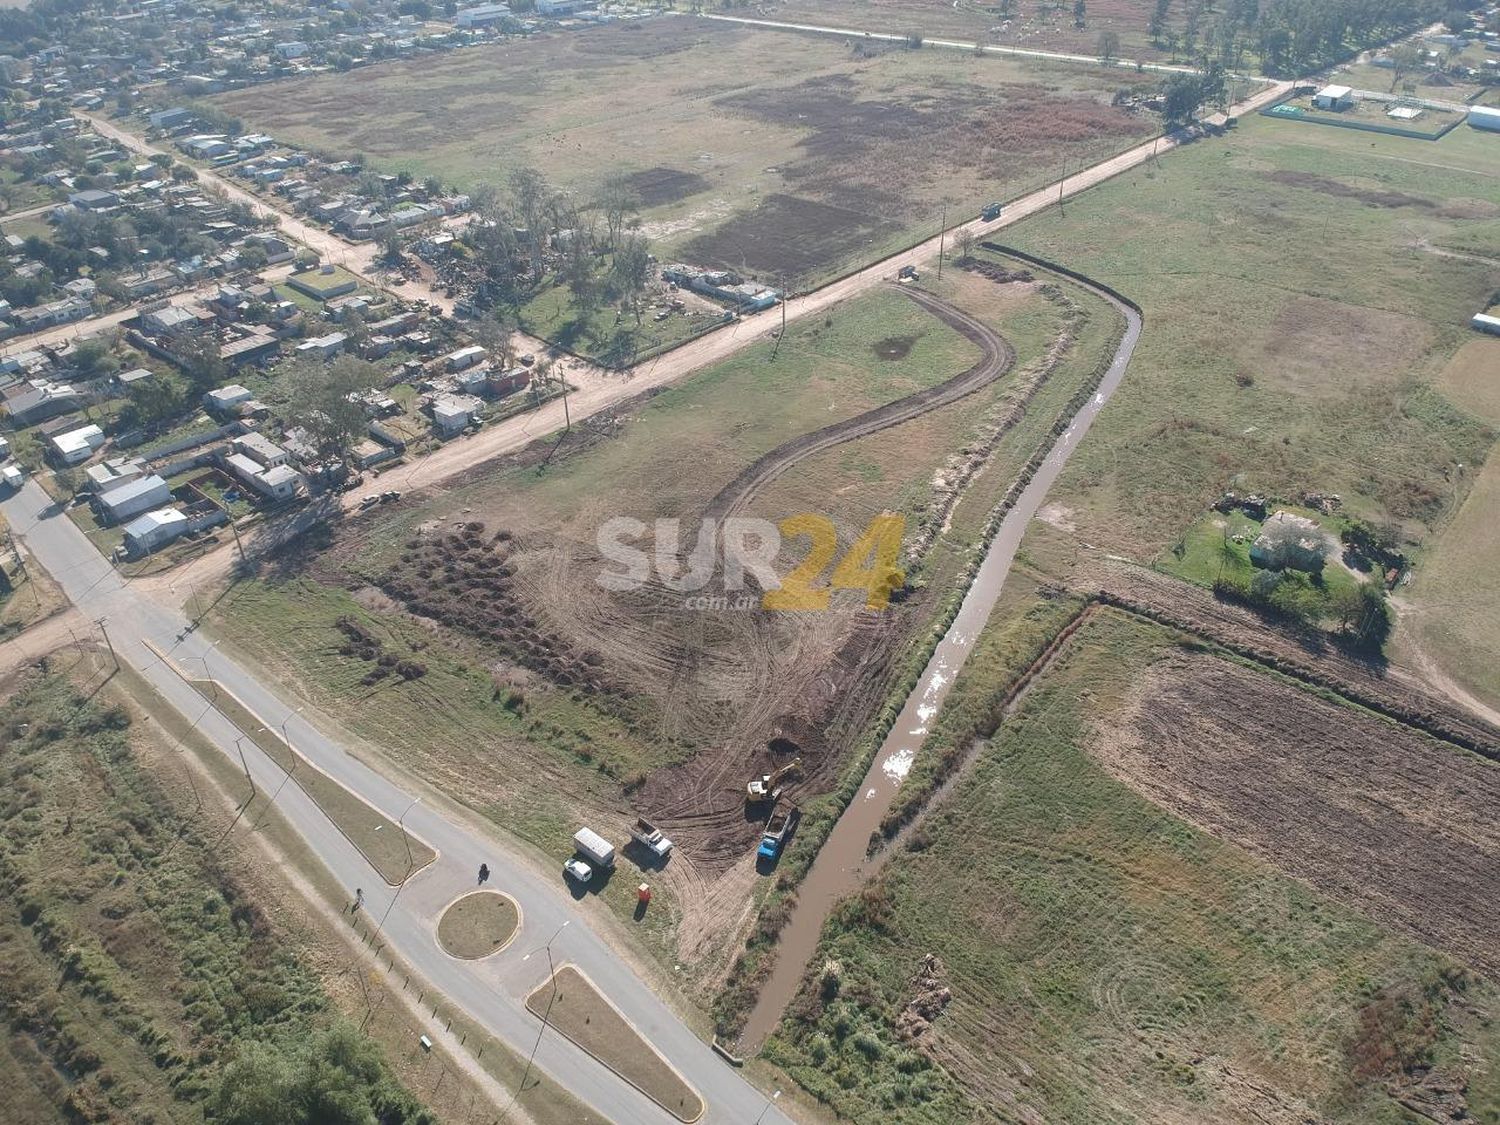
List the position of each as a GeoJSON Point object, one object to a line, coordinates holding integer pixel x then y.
{"type": "Point", "coordinates": [478, 924]}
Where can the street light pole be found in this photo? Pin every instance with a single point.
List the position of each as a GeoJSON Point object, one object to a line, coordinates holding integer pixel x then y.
{"type": "Point", "coordinates": [410, 862]}
{"type": "Point", "coordinates": [767, 1107]}
{"type": "Point", "coordinates": [547, 1011]}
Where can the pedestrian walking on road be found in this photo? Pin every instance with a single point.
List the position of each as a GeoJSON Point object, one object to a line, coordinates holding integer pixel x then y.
{"type": "Point", "coordinates": [359, 900]}
{"type": "Point", "coordinates": [484, 872]}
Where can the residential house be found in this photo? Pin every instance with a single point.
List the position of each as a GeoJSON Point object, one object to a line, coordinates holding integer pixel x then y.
{"type": "Point", "coordinates": [322, 347]}
{"type": "Point", "coordinates": [43, 400]}
{"type": "Point", "coordinates": [464, 357]}
{"type": "Point", "coordinates": [131, 499]}
{"type": "Point", "coordinates": [1289, 541]}
{"type": "Point", "coordinates": [451, 413]}
{"type": "Point", "coordinates": [222, 401]}
{"type": "Point", "coordinates": [75, 446]}
{"type": "Point", "coordinates": [154, 530]}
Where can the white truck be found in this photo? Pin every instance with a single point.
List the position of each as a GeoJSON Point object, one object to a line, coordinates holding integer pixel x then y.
{"type": "Point", "coordinates": [11, 478]}
{"type": "Point", "coordinates": [593, 852]}
{"type": "Point", "coordinates": [650, 837]}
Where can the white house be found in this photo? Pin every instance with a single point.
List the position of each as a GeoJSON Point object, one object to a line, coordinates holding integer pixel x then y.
{"type": "Point", "coordinates": [1484, 322]}
{"type": "Point", "coordinates": [265, 451]}
{"type": "Point", "coordinates": [464, 357]}
{"type": "Point", "coordinates": [223, 400]}
{"type": "Point", "coordinates": [451, 413]}
{"type": "Point", "coordinates": [77, 445]}
{"type": "Point", "coordinates": [153, 530]}
{"type": "Point", "coordinates": [1334, 97]}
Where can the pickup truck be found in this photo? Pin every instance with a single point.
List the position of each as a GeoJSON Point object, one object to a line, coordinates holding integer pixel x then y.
{"type": "Point", "coordinates": [650, 837]}
{"type": "Point", "coordinates": [783, 823]}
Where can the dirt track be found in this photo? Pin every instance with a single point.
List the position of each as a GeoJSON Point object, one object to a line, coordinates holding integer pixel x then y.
{"type": "Point", "coordinates": [998, 358]}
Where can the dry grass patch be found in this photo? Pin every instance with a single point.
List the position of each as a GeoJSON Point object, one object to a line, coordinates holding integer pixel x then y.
{"type": "Point", "coordinates": [478, 924]}
{"type": "Point", "coordinates": [1472, 378]}
{"type": "Point", "coordinates": [570, 1003]}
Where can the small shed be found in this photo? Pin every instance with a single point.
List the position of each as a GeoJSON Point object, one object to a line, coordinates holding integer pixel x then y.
{"type": "Point", "coordinates": [1334, 97]}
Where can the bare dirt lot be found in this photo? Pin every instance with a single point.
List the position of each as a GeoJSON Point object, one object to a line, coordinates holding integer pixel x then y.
{"type": "Point", "coordinates": [1397, 825]}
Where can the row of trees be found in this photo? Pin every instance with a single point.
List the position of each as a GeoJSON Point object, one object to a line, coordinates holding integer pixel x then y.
{"type": "Point", "coordinates": [1291, 37]}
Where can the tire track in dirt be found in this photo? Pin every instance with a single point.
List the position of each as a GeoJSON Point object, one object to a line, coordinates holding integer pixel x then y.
{"type": "Point", "coordinates": [999, 357]}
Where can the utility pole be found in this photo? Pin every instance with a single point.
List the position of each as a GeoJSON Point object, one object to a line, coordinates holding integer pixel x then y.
{"type": "Point", "coordinates": [1060, 182]}
{"type": "Point", "coordinates": [942, 233]}
{"type": "Point", "coordinates": [108, 643]}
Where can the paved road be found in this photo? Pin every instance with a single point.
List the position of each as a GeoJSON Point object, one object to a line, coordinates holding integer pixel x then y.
{"type": "Point", "coordinates": [492, 991]}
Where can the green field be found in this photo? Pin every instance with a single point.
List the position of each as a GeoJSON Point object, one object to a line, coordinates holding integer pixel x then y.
{"type": "Point", "coordinates": [1268, 363]}
{"type": "Point", "coordinates": [788, 156]}
{"type": "Point", "coordinates": [1106, 961]}
{"type": "Point", "coordinates": [140, 982]}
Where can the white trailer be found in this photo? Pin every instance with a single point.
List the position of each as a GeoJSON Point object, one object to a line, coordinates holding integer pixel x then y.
{"type": "Point", "coordinates": [594, 847]}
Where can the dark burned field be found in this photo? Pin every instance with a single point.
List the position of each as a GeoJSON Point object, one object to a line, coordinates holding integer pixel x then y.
{"type": "Point", "coordinates": [785, 155]}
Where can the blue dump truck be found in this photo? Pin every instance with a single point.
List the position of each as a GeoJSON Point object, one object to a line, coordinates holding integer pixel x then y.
{"type": "Point", "coordinates": [782, 822]}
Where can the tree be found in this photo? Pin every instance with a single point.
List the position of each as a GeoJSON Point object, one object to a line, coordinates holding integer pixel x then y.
{"type": "Point", "coordinates": [534, 202]}
{"type": "Point", "coordinates": [153, 400]}
{"type": "Point", "coordinates": [198, 356]}
{"type": "Point", "coordinates": [1158, 25]}
{"type": "Point", "coordinates": [1109, 46]}
{"type": "Point", "coordinates": [1405, 59]}
{"type": "Point", "coordinates": [965, 243]}
{"type": "Point", "coordinates": [321, 402]}
{"type": "Point", "coordinates": [1080, 13]}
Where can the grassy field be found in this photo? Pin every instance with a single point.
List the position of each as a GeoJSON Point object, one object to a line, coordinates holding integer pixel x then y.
{"type": "Point", "coordinates": [140, 980]}
{"type": "Point", "coordinates": [573, 1006]}
{"type": "Point", "coordinates": [478, 925]}
{"type": "Point", "coordinates": [1103, 960]}
{"type": "Point", "coordinates": [787, 156]}
{"type": "Point", "coordinates": [1451, 604]}
{"type": "Point", "coordinates": [543, 704]}
{"type": "Point", "coordinates": [1267, 364]}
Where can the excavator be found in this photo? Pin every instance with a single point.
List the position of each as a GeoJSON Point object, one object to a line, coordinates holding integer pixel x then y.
{"type": "Point", "coordinates": [767, 787]}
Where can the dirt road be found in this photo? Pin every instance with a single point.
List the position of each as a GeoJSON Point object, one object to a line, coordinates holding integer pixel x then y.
{"type": "Point", "coordinates": [997, 358]}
